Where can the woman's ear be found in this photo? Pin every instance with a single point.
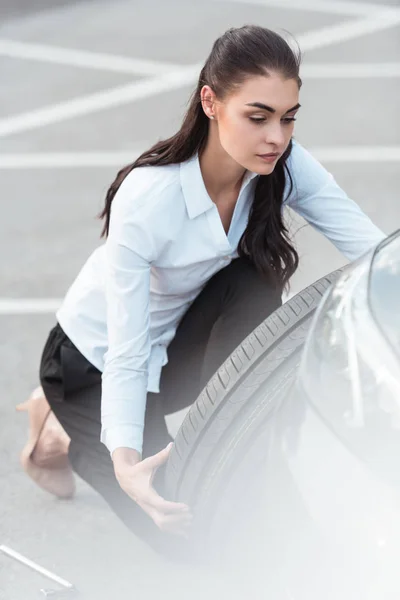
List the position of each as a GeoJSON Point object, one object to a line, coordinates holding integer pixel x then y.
{"type": "Point", "coordinates": [207, 97]}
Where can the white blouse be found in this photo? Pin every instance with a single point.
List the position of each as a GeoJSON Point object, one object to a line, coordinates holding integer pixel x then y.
{"type": "Point", "coordinates": [166, 240]}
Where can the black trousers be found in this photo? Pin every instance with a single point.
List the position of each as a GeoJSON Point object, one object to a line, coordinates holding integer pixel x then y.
{"type": "Point", "coordinates": [233, 303]}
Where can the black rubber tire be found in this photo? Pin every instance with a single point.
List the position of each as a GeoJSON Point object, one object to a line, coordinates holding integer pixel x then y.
{"type": "Point", "coordinates": [220, 408]}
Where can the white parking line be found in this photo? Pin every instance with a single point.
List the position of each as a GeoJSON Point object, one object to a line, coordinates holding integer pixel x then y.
{"type": "Point", "coordinates": [66, 160]}
{"type": "Point", "coordinates": [44, 306]}
{"type": "Point", "coordinates": [333, 7]}
{"type": "Point", "coordinates": [124, 94]}
{"type": "Point", "coordinates": [344, 32]}
{"type": "Point", "coordinates": [28, 306]}
{"type": "Point", "coordinates": [84, 59]}
{"type": "Point", "coordinates": [357, 154]}
{"type": "Point", "coordinates": [79, 160]}
{"type": "Point", "coordinates": [349, 70]}
{"type": "Point", "coordinates": [116, 96]}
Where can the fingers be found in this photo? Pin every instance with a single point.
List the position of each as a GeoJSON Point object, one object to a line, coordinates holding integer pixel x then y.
{"type": "Point", "coordinates": [170, 517]}
{"type": "Point", "coordinates": [164, 506]}
{"type": "Point", "coordinates": [172, 521]}
{"type": "Point", "coordinates": [158, 459]}
{"type": "Point", "coordinates": [151, 464]}
{"type": "Point", "coordinates": [175, 524]}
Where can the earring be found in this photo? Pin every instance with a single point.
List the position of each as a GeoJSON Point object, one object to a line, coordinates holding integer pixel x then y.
{"type": "Point", "coordinates": [211, 117]}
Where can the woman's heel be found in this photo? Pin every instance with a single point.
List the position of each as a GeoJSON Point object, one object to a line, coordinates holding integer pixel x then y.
{"type": "Point", "coordinates": [45, 455]}
{"type": "Point", "coordinates": [23, 406]}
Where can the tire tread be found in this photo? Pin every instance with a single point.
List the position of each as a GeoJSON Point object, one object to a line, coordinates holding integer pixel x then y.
{"type": "Point", "coordinates": [278, 329]}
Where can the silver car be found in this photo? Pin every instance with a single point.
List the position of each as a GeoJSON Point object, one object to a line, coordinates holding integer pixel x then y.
{"type": "Point", "coordinates": [290, 457]}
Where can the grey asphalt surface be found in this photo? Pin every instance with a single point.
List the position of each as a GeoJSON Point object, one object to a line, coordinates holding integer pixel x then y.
{"type": "Point", "coordinates": [48, 228]}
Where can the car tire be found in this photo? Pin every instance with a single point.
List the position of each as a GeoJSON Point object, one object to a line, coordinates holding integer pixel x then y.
{"type": "Point", "coordinates": [229, 408]}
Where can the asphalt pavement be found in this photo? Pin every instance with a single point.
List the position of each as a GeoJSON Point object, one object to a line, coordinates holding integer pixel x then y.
{"type": "Point", "coordinates": [81, 93]}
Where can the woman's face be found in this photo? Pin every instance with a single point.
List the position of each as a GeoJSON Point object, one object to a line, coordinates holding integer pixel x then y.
{"type": "Point", "coordinates": [257, 120]}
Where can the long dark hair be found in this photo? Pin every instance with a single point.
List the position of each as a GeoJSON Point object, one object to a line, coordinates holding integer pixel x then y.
{"type": "Point", "coordinates": [236, 55]}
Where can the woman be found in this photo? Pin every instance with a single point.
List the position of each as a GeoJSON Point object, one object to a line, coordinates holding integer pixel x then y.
{"type": "Point", "coordinates": [196, 256]}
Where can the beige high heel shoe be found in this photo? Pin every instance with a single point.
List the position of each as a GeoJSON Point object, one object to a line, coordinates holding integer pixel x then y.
{"type": "Point", "coordinates": [45, 455]}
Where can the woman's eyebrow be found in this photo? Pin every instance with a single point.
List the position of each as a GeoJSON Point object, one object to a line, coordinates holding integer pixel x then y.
{"type": "Point", "coordinates": [269, 108]}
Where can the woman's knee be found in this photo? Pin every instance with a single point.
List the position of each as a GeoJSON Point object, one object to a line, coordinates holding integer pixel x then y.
{"type": "Point", "coordinates": [246, 289]}
{"type": "Point", "coordinates": [243, 271]}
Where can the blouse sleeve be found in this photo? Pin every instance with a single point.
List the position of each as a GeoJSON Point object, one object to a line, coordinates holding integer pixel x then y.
{"type": "Point", "coordinates": [318, 198]}
{"type": "Point", "coordinates": [130, 249]}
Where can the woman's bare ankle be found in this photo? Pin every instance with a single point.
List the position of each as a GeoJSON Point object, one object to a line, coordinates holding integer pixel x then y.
{"type": "Point", "coordinates": [52, 444]}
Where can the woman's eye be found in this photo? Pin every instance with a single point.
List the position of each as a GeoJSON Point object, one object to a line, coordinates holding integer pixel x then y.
{"type": "Point", "coordinates": [286, 120]}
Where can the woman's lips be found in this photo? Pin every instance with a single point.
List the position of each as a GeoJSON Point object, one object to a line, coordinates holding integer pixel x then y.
{"type": "Point", "coordinates": [268, 157]}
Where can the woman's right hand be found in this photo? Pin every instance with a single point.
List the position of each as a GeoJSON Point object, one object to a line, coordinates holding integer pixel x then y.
{"type": "Point", "coordinates": [136, 476]}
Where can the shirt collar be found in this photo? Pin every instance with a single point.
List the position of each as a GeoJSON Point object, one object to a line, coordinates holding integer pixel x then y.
{"type": "Point", "coordinates": [194, 191]}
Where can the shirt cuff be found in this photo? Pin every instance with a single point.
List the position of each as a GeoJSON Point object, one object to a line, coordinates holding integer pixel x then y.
{"type": "Point", "coordinates": [123, 436]}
